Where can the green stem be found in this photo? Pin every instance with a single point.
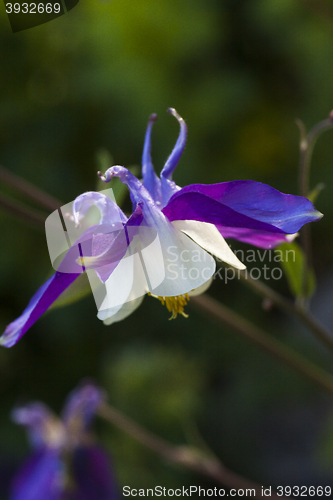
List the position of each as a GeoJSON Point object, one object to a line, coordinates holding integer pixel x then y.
{"type": "Point", "coordinates": [22, 211]}
{"type": "Point", "coordinates": [185, 456]}
{"type": "Point", "coordinates": [267, 343]}
{"type": "Point", "coordinates": [35, 194]}
{"type": "Point", "coordinates": [295, 310]}
{"type": "Point", "coordinates": [307, 143]}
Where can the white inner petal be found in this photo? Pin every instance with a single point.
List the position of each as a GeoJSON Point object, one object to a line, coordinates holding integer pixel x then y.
{"type": "Point", "coordinates": [208, 237]}
{"type": "Point", "coordinates": [124, 311]}
{"type": "Point", "coordinates": [291, 237]}
{"type": "Point", "coordinates": [136, 295]}
{"type": "Point", "coordinates": [201, 289]}
{"type": "Point", "coordinates": [186, 265]}
{"type": "Point", "coordinates": [111, 295]}
{"type": "Point", "coordinates": [126, 283]}
{"type": "Point", "coordinates": [152, 256]}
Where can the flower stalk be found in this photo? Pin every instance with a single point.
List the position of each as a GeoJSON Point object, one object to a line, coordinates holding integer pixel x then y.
{"type": "Point", "coordinates": [307, 143]}
{"type": "Point", "coordinates": [22, 211]}
{"type": "Point", "coordinates": [294, 309]}
{"type": "Point", "coordinates": [267, 343]}
{"type": "Point", "coordinates": [186, 456]}
{"type": "Point", "coordinates": [29, 190]}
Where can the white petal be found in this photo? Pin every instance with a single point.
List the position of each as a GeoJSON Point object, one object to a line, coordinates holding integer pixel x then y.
{"type": "Point", "coordinates": [135, 297]}
{"type": "Point", "coordinates": [105, 201]}
{"type": "Point", "coordinates": [201, 289]}
{"type": "Point", "coordinates": [112, 295]}
{"type": "Point", "coordinates": [291, 237]}
{"type": "Point", "coordinates": [208, 237]}
{"type": "Point", "coordinates": [152, 256]}
{"type": "Point", "coordinates": [124, 311]}
{"type": "Point", "coordinates": [178, 261]}
{"type": "Point", "coordinates": [126, 284]}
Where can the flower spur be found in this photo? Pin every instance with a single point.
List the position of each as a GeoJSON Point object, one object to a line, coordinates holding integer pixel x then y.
{"type": "Point", "coordinates": [165, 246]}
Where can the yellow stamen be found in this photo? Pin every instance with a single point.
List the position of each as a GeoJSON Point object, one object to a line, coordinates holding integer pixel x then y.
{"type": "Point", "coordinates": [175, 305]}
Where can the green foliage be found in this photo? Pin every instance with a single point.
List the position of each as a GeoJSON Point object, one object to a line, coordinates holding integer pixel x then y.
{"type": "Point", "coordinates": [160, 385]}
{"type": "Point", "coordinates": [301, 280]}
{"type": "Point", "coordinates": [325, 448]}
{"type": "Point", "coordinates": [160, 388]}
{"type": "Point", "coordinates": [313, 195]}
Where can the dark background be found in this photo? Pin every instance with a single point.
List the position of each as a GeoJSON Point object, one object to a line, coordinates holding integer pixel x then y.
{"type": "Point", "coordinates": [239, 72]}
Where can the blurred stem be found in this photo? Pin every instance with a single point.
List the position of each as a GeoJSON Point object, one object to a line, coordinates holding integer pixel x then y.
{"type": "Point", "coordinates": [185, 456]}
{"type": "Point", "coordinates": [266, 342]}
{"type": "Point", "coordinates": [297, 310]}
{"type": "Point", "coordinates": [22, 211]}
{"type": "Point", "coordinates": [307, 142]}
{"type": "Point", "coordinates": [29, 190]}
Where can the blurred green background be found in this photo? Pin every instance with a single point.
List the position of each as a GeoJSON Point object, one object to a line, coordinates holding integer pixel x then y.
{"type": "Point", "coordinates": [239, 72]}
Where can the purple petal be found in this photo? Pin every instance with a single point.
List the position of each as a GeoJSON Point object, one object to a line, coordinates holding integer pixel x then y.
{"type": "Point", "coordinates": [36, 417]}
{"type": "Point", "coordinates": [39, 303]}
{"type": "Point", "coordinates": [41, 477]}
{"type": "Point", "coordinates": [82, 247]}
{"type": "Point", "coordinates": [110, 212]}
{"type": "Point", "coordinates": [262, 239]}
{"type": "Point", "coordinates": [167, 185]}
{"type": "Point", "coordinates": [68, 271]}
{"type": "Point", "coordinates": [92, 475]}
{"type": "Point", "coordinates": [107, 243]}
{"type": "Point", "coordinates": [150, 180]}
{"type": "Point", "coordinates": [242, 204]}
{"type": "Point", "coordinates": [177, 151]}
{"type": "Point", "coordinates": [109, 249]}
{"type": "Point", "coordinates": [196, 206]}
{"type": "Point", "coordinates": [81, 405]}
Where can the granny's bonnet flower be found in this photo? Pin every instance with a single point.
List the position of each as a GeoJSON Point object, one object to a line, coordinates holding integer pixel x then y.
{"type": "Point", "coordinates": [164, 247]}
{"type": "Point", "coordinates": [65, 463]}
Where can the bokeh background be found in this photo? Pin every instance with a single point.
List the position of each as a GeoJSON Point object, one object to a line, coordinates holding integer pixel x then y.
{"type": "Point", "coordinates": [239, 72]}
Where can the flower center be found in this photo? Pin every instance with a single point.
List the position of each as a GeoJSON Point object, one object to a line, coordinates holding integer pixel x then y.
{"type": "Point", "coordinates": [54, 433]}
{"type": "Point", "coordinates": [175, 305]}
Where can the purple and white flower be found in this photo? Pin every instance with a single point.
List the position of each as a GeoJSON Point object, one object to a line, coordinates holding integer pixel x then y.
{"type": "Point", "coordinates": [65, 462]}
{"type": "Point", "coordinates": [164, 248]}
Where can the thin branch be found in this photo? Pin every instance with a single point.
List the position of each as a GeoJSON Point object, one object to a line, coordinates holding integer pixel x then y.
{"type": "Point", "coordinates": [264, 341]}
{"type": "Point", "coordinates": [307, 143]}
{"type": "Point", "coordinates": [185, 456]}
{"type": "Point", "coordinates": [22, 211]}
{"type": "Point", "coordinates": [29, 190]}
{"type": "Point", "coordinates": [296, 310]}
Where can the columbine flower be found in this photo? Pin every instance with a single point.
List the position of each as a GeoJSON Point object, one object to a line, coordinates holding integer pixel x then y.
{"type": "Point", "coordinates": [65, 464]}
{"type": "Point", "coordinates": [162, 247]}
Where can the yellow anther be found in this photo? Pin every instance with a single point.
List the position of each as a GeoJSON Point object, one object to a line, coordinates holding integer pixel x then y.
{"type": "Point", "coordinates": [175, 305]}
